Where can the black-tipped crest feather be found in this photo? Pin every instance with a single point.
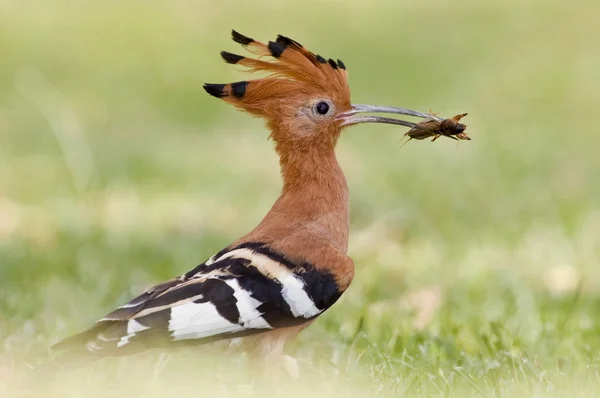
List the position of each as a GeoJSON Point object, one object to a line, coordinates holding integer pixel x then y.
{"type": "Point", "coordinates": [216, 90]}
{"type": "Point", "coordinates": [231, 58]}
{"type": "Point", "coordinates": [276, 49]}
{"type": "Point", "coordinates": [238, 89]}
{"type": "Point", "coordinates": [240, 38]}
{"type": "Point", "coordinates": [286, 41]}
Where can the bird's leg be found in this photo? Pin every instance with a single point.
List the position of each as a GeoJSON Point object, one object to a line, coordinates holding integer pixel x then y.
{"type": "Point", "coordinates": [290, 365]}
{"type": "Point", "coordinates": [268, 356]}
{"type": "Point", "coordinates": [266, 360]}
{"type": "Point", "coordinates": [268, 352]}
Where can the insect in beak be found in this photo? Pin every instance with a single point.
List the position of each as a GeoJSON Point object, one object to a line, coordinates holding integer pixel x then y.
{"type": "Point", "coordinates": [450, 128]}
{"type": "Point", "coordinates": [349, 117]}
{"type": "Point", "coordinates": [432, 126]}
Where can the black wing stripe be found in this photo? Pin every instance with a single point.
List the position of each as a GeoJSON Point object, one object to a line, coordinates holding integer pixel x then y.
{"type": "Point", "coordinates": [187, 291]}
{"type": "Point", "coordinates": [221, 295]}
{"type": "Point", "coordinates": [321, 288]}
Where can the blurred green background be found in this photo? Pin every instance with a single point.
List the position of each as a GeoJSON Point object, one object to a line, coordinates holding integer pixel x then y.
{"type": "Point", "coordinates": [477, 265]}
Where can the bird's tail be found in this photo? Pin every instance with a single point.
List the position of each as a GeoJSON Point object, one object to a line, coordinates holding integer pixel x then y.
{"type": "Point", "coordinates": [36, 378]}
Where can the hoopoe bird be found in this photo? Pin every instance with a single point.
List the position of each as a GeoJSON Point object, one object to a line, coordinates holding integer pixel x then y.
{"type": "Point", "coordinates": [273, 282]}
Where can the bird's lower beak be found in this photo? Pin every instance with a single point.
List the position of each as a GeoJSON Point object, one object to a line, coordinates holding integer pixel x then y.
{"type": "Point", "coordinates": [352, 117]}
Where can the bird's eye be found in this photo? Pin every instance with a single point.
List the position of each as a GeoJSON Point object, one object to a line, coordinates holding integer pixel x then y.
{"type": "Point", "coordinates": [322, 108]}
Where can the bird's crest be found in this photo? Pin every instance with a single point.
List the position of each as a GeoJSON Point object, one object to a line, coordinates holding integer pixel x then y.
{"type": "Point", "coordinates": [292, 70]}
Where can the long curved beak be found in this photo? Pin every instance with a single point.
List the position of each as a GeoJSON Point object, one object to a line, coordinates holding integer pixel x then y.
{"type": "Point", "coordinates": [350, 117]}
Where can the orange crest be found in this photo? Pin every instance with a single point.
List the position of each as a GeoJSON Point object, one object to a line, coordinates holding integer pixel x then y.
{"type": "Point", "coordinates": [296, 75]}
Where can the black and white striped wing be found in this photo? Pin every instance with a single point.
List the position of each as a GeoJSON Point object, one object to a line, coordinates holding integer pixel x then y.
{"type": "Point", "coordinates": [239, 291]}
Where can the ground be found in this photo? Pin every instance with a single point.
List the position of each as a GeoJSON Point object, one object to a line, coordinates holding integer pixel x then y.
{"type": "Point", "coordinates": [477, 264]}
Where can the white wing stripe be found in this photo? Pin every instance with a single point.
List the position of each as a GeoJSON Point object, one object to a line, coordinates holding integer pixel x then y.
{"type": "Point", "coordinates": [130, 305]}
{"type": "Point", "coordinates": [198, 320]}
{"type": "Point", "coordinates": [133, 327]}
{"type": "Point", "coordinates": [210, 260]}
{"type": "Point", "coordinates": [297, 298]}
{"type": "Point", "coordinates": [247, 307]}
{"type": "Point", "coordinates": [151, 310]}
{"type": "Point", "coordinates": [265, 265]}
{"type": "Point", "coordinates": [124, 340]}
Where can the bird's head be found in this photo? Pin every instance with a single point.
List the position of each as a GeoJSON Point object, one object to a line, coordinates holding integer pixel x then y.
{"type": "Point", "coordinates": [305, 98]}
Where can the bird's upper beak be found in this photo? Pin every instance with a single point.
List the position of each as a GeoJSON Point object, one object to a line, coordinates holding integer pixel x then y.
{"type": "Point", "coordinates": [352, 117]}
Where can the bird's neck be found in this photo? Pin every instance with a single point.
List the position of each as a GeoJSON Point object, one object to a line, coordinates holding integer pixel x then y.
{"type": "Point", "coordinates": [313, 204]}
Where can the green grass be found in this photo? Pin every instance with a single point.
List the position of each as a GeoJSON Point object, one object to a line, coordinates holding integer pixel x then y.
{"type": "Point", "coordinates": [477, 267]}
